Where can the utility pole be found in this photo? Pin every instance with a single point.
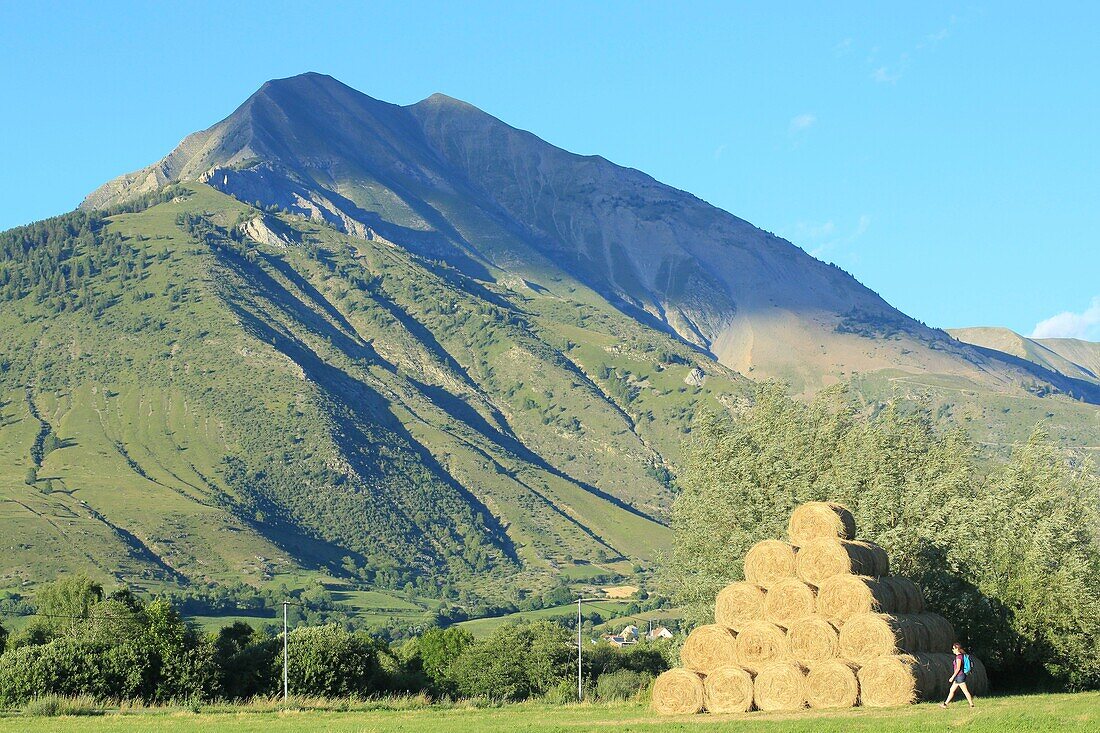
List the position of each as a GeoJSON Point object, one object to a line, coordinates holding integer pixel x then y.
{"type": "Point", "coordinates": [580, 683]}
{"type": "Point", "coordinates": [285, 657]}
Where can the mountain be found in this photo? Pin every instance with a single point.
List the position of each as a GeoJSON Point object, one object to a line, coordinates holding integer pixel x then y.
{"type": "Point", "coordinates": [1074, 358]}
{"type": "Point", "coordinates": [412, 347]}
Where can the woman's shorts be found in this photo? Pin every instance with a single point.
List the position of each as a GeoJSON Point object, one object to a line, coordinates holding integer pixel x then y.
{"type": "Point", "coordinates": [959, 678]}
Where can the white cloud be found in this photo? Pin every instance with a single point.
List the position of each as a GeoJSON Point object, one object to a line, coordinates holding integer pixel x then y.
{"type": "Point", "coordinates": [843, 47]}
{"type": "Point", "coordinates": [718, 151]}
{"type": "Point", "coordinates": [801, 123]}
{"type": "Point", "coordinates": [1084, 325]}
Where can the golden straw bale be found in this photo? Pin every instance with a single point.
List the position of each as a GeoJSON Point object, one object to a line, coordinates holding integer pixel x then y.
{"type": "Point", "coordinates": [880, 561]}
{"type": "Point", "coordinates": [780, 686]}
{"type": "Point", "coordinates": [787, 600]}
{"type": "Point", "coordinates": [831, 683]}
{"type": "Point", "coordinates": [769, 561]}
{"type": "Point", "coordinates": [678, 692]}
{"type": "Point", "coordinates": [728, 690]}
{"type": "Point", "coordinates": [940, 668]}
{"type": "Point", "coordinates": [939, 632]}
{"type": "Point", "coordinates": [843, 596]}
{"type": "Point", "coordinates": [708, 647]}
{"type": "Point", "coordinates": [759, 643]}
{"type": "Point", "coordinates": [816, 519]}
{"type": "Point", "coordinates": [812, 639]}
{"type": "Point", "coordinates": [977, 681]}
{"type": "Point", "coordinates": [821, 559]}
{"type": "Point", "coordinates": [908, 597]}
{"type": "Point", "coordinates": [868, 635]}
{"type": "Point", "coordinates": [737, 604]}
{"type": "Point", "coordinates": [894, 681]}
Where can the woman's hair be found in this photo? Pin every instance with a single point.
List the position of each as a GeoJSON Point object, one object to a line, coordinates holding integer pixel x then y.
{"type": "Point", "coordinates": [958, 646]}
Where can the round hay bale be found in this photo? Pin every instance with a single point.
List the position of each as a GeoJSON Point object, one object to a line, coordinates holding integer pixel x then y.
{"type": "Point", "coordinates": [728, 690]}
{"type": "Point", "coordinates": [780, 686]}
{"type": "Point", "coordinates": [978, 680]}
{"type": "Point", "coordinates": [893, 681]}
{"type": "Point", "coordinates": [936, 670]}
{"type": "Point", "coordinates": [677, 692]}
{"type": "Point", "coordinates": [769, 561]}
{"type": "Point", "coordinates": [880, 561]}
{"type": "Point", "coordinates": [939, 633]}
{"type": "Point", "coordinates": [908, 597]}
{"type": "Point", "coordinates": [816, 519]}
{"type": "Point", "coordinates": [868, 635]}
{"type": "Point", "coordinates": [843, 596]}
{"type": "Point", "coordinates": [812, 639]}
{"type": "Point", "coordinates": [821, 559]}
{"type": "Point", "coordinates": [787, 600]}
{"type": "Point", "coordinates": [708, 648]}
{"type": "Point", "coordinates": [759, 643]}
{"type": "Point", "coordinates": [831, 683]}
{"type": "Point", "coordinates": [737, 604]}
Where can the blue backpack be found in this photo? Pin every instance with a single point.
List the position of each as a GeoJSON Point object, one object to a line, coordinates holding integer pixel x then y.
{"type": "Point", "coordinates": [966, 664]}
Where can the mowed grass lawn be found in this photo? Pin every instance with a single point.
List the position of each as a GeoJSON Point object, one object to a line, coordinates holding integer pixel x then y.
{"type": "Point", "coordinates": [1069, 712]}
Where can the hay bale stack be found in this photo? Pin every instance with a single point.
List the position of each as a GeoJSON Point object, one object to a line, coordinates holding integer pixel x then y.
{"type": "Point", "coordinates": [843, 596]}
{"type": "Point", "coordinates": [821, 559]}
{"type": "Point", "coordinates": [677, 692]}
{"type": "Point", "coordinates": [707, 648]}
{"type": "Point", "coordinates": [759, 643]}
{"type": "Point", "coordinates": [769, 561]}
{"type": "Point", "coordinates": [780, 686]}
{"type": "Point", "coordinates": [908, 597]}
{"type": "Point", "coordinates": [728, 690]}
{"type": "Point", "coordinates": [737, 604]}
{"type": "Point", "coordinates": [816, 519]}
{"type": "Point", "coordinates": [894, 681]}
{"type": "Point", "coordinates": [831, 683]}
{"type": "Point", "coordinates": [868, 635]}
{"type": "Point", "coordinates": [788, 600]}
{"type": "Point", "coordinates": [813, 639]}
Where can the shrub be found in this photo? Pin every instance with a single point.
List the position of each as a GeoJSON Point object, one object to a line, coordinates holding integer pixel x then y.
{"type": "Point", "coordinates": [624, 684]}
{"type": "Point", "coordinates": [563, 692]}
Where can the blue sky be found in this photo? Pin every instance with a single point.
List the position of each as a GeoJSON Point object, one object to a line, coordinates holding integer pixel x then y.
{"type": "Point", "coordinates": [946, 154]}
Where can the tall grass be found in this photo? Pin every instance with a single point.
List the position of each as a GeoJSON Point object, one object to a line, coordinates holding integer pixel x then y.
{"type": "Point", "coordinates": [52, 706]}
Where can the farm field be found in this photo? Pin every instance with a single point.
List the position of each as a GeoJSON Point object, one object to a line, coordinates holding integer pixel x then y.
{"type": "Point", "coordinates": [1062, 712]}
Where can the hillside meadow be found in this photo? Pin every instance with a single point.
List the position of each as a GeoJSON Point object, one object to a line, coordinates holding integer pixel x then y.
{"type": "Point", "coordinates": [1062, 712]}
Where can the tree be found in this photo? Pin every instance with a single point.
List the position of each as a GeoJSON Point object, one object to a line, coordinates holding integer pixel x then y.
{"type": "Point", "coordinates": [438, 648]}
{"type": "Point", "coordinates": [1042, 565]}
{"type": "Point", "coordinates": [327, 661]}
{"type": "Point", "coordinates": [514, 663]}
{"type": "Point", "coordinates": [3, 638]}
{"type": "Point", "coordinates": [67, 602]}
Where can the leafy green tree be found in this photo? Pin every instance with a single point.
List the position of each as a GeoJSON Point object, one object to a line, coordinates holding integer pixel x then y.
{"type": "Point", "coordinates": [514, 663]}
{"type": "Point", "coordinates": [438, 649]}
{"type": "Point", "coordinates": [67, 602]}
{"type": "Point", "coordinates": [328, 661]}
{"type": "Point", "coordinates": [1037, 559]}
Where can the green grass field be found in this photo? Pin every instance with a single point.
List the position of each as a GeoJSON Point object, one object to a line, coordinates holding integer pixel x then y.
{"type": "Point", "coordinates": [1079, 712]}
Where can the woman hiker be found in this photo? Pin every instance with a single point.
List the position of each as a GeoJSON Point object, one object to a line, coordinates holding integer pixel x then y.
{"type": "Point", "coordinates": [958, 675]}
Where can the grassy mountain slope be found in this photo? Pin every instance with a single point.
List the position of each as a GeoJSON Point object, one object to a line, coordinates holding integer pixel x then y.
{"type": "Point", "coordinates": [229, 407]}
{"type": "Point", "coordinates": [1074, 358]}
